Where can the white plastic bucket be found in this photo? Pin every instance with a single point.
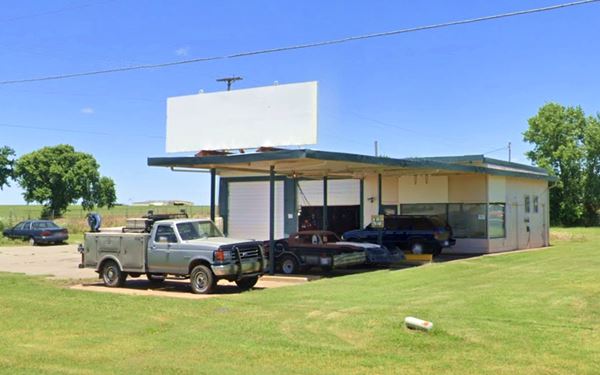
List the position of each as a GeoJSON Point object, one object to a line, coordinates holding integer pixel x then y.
{"type": "Point", "coordinates": [416, 323]}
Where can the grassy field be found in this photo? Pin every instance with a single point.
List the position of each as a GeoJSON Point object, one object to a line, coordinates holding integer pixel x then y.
{"type": "Point", "coordinates": [15, 213]}
{"type": "Point", "coordinates": [74, 219]}
{"type": "Point", "coordinates": [528, 312]}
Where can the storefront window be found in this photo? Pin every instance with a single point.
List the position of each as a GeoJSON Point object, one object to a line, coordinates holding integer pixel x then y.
{"type": "Point", "coordinates": [468, 220]}
{"type": "Point", "coordinates": [426, 209]}
{"type": "Point", "coordinates": [496, 220]}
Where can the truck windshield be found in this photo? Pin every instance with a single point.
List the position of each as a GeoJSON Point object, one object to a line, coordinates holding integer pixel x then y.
{"type": "Point", "coordinates": [194, 230]}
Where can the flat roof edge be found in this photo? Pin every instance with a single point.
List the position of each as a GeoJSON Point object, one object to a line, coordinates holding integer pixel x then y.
{"type": "Point", "coordinates": [375, 161]}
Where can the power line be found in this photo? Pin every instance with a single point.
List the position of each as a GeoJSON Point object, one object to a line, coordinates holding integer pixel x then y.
{"type": "Point", "coordinates": [301, 46]}
{"type": "Point", "coordinates": [496, 150]}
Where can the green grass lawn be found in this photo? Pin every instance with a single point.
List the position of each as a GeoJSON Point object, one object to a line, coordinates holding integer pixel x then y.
{"type": "Point", "coordinates": [528, 312]}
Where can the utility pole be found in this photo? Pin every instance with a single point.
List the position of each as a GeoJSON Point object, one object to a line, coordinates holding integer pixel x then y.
{"type": "Point", "coordinates": [509, 152]}
{"type": "Point", "coordinates": [376, 149]}
{"type": "Point", "coordinates": [229, 81]}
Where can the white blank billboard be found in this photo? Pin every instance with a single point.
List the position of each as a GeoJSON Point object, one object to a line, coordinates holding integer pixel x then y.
{"type": "Point", "coordinates": [279, 115]}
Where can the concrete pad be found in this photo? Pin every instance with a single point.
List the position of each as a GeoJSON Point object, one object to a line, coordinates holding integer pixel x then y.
{"type": "Point", "coordinates": [60, 261]}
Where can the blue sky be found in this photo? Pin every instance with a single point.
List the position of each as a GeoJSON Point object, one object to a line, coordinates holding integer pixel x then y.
{"type": "Point", "coordinates": [462, 90]}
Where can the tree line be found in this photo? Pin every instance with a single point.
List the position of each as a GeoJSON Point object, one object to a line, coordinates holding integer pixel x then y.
{"type": "Point", "coordinates": [56, 177]}
{"type": "Point", "coordinates": [566, 142]}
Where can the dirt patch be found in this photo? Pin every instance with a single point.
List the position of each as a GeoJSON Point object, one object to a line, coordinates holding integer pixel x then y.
{"type": "Point", "coordinates": [564, 236]}
{"type": "Point", "coordinates": [180, 288]}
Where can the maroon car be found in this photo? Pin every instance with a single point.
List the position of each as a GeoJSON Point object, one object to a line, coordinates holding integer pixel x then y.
{"type": "Point", "coordinates": [315, 248]}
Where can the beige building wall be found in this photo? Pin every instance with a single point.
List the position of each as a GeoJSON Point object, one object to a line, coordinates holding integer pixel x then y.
{"type": "Point", "coordinates": [472, 189]}
{"type": "Point", "coordinates": [517, 220]}
{"type": "Point", "coordinates": [467, 188]}
{"type": "Point", "coordinates": [422, 189]}
{"type": "Point", "coordinates": [370, 204]}
{"type": "Point", "coordinates": [496, 189]}
{"type": "Point", "coordinates": [389, 190]}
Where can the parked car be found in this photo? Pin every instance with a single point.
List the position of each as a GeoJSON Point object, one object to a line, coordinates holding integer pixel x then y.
{"type": "Point", "coordinates": [419, 234]}
{"type": "Point", "coordinates": [37, 232]}
{"type": "Point", "coordinates": [315, 248]}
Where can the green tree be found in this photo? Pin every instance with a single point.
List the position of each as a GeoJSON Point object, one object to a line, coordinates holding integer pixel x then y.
{"type": "Point", "coordinates": [558, 135]}
{"type": "Point", "coordinates": [106, 194]}
{"type": "Point", "coordinates": [591, 186]}
{"type": "Point", "coordinates": [6, 165]}
{"type": "Point", "coordinates": [58, 176]}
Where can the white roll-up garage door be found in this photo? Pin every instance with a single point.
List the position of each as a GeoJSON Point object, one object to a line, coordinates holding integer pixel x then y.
{"type": "Point", "coordinates": [249, 210]}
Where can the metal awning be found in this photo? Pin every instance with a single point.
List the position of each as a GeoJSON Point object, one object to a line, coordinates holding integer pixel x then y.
{"type": "Point", "coordinates": [312, 163]}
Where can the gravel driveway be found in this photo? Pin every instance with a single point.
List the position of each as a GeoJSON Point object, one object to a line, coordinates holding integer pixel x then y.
{"type": "Point", "coordinates": [56, 261]}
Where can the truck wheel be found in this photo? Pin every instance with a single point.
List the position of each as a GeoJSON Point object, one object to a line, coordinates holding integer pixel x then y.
{"type": "Point", "coordinates": [417, 247]}
{"type": "Point", "coordinates": [247, 282]}
{"type": "Point", "coordinates": [112, 276]}
{"type": "Point", "coordinates": [288, 265]}
{"type": "Point", "coordinates": [202, 280]}
{"type": "Point", "coordinates": [155, 278]}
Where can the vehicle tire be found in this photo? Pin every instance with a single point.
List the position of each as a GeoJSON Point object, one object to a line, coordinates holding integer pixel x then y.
{"type": "Point", "coordinates": [32, 241]}
{"type": "Point", "coordinates": [156, 278]}
{"type": "Point", "coordinates": [288, 264]}
{"type": "Point", "coordinates": [437, 250]}
{"type": "Point", "coordinates": [247, 282]}
{"type": "Point", "coordinates": [202, 280]}
{"type": "Point", "coordinates": [280, 247]}
{"type": "Point", "coordinates": [112, 276]}
{"type": "Point", "coordinates": [417, 247]}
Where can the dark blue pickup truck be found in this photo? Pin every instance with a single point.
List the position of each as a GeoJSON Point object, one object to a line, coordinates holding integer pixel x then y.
{"type": "Point", "coordinates": [419, 234]}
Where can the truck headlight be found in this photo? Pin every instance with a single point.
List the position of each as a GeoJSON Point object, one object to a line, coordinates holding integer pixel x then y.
{"type": "Point", "coordinates": [222, 255]}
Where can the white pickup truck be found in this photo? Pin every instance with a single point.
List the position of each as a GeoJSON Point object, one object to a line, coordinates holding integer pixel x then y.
{"type": "Point", "coordinates": [192, 248]}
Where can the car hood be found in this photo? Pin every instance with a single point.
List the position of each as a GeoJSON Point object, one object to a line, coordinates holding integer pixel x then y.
{"type": "Point", "coordinates": [363, 245]}
{"type": "Point", "coordinates": [352, 232]}
{"type": "Point", "coordinates": [217, 241]}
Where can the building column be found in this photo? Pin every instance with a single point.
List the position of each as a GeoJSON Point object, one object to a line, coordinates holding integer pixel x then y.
{"type": "Point", "coordinates": [379, 195]}
{"type": "Point", "coordinates": [213, 174]}
{"type": "Point", "coordinates": [361, 211]}
{"type": "Point", "coordinates": [272, 220]}
{"type": "Point", "coordinates": [325, 203]}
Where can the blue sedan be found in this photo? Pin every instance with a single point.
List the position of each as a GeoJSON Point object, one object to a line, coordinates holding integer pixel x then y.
{"type": "Point", "coordinates": [37, 232]}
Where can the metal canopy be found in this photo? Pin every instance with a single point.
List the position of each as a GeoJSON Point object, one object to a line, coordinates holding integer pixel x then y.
{"type": "Point", "coordinates": [325, 165]}
{"type": "Point", "coordinates": [316, 164]}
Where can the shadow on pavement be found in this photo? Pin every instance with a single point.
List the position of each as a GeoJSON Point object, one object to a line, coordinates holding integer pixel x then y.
{"type": "Point", "coordinates": [171, 286]}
